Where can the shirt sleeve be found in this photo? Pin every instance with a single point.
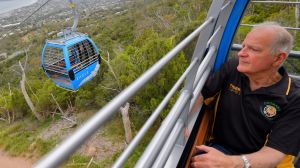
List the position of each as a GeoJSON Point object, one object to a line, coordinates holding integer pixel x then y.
{"type": "Point", "coordinates": [285, 135]}
{"type": "Point", "coordinates": [218, 80]}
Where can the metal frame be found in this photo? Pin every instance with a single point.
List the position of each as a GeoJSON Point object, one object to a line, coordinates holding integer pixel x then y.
{"type": "Point", "coordinates": [229, 32]}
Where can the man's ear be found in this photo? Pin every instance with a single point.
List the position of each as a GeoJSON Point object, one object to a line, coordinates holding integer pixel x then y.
{"type": "Point", "coordinates": [280, 58]}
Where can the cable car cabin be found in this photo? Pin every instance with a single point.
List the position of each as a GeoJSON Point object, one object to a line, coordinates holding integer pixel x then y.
{"type": "Point", "coordinates": [71, 61]}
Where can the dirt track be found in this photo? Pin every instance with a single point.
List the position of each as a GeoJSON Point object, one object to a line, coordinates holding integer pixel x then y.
{"type": "Point", "coordinates": [14, 162]}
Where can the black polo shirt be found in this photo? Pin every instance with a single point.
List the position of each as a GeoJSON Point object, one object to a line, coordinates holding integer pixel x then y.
{"type": "Point", "coordinates": [246, 119]}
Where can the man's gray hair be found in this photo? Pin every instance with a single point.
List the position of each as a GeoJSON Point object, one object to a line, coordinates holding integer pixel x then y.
{"type": "Point", "coordinates": [283, 41]}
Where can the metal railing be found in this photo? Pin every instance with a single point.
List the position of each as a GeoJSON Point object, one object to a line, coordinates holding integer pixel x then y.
{"type": "Point", "coordinates": [63, 151]}
{"type": "Point", "coordinates": [169, 139]}
{"type": "Point", "coordinates": [169, 134]}
{"type": "Point", "coordinates": [85, 63]}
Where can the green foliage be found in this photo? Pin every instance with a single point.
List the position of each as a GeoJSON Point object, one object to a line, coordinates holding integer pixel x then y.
{"type": "Point", "coordinates": [22, 138]}
{"type": "Point", "coordinates": [15, 139]}
{"type": "Point", "coordinates": [134, 40]}
{"type": "Point", "coordinates": [146, 50]}
{"type": "Point", "coordinates": [143, 144]}
{"type": "Point", "coordinates": [42, 146]}
{"type": "Point", "coordinates": [257, 12]}
{"type": "Point", "coordinates": [79, 161]}
{"type": "Point", "coordinates": [12, 104]}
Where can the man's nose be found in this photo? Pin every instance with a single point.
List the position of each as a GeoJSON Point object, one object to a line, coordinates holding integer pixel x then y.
{"type": "Point", "coordinates": [242, 52]}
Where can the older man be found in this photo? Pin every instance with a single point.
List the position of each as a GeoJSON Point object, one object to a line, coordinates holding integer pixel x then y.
{"type": "Point", "coordinates": [258, 116]}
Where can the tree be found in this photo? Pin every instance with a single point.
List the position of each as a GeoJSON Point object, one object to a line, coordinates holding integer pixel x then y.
{"type": "Point", "coordinates": [135, 60]}
{"type": "Point", "coordinates": [25, 94]}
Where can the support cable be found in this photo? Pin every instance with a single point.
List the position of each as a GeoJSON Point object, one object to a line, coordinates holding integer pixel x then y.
{"type": "Point", "coordinates": [23, 21]}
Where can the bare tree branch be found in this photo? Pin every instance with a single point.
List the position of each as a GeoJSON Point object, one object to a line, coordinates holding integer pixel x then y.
{"type": "Point", "coordinates": [26, 59]}
{"type": "Point", "coordinates": [10, 93]}
{"type": "Point", "coordinates": [64, 116]}
{"type": "Point", "coordinates": [16, 72]}
{"type": "Point", "coordinates": [57, 104]}
{"type": "Point", "coordinates": [165, 23]}
{"type": "Point", "coordinates": [25, 94]}
{"type": "Point", "coordinates": [2, 119]}
{"type": "Point", "coordinates": [124, 109]}
{"type": "Point", "coordinates": [90, 162]}
{"type": "Point", "coordinates": [109, 88]}
{"type": "Point", "coordinates": [33, 92]}
{"type": "Point", "coordinates": [111, 70]}
{"type": "Point", "coordinates": [126, 121]}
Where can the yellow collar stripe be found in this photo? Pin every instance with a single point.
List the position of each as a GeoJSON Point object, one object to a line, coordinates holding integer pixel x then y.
{"type": "Point", "coordinates": [289, 87]}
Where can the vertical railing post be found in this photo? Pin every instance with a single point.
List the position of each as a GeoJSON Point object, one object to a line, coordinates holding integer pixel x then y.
{"type": "Point", "coordinates": [206, 40]}
{"type": "Point", "coordinates": [199, 52]}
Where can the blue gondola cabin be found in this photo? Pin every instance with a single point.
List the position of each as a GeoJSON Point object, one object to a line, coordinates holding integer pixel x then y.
{"type": "Point", "coordinates": [71, 61]}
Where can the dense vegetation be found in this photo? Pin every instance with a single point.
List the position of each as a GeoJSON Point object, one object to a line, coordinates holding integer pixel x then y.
{"type": "Point", "coordinates": [134, 41]}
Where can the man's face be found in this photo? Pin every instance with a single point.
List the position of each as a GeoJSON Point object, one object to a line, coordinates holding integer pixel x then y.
{"type": "Point", "coordinates": [255, 56]}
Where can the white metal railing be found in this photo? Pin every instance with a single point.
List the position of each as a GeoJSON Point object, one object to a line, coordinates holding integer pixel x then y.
{"type": "Point", "coordinates": [169, 122]}
{"type": "Point", "coordinates": [63, 151]}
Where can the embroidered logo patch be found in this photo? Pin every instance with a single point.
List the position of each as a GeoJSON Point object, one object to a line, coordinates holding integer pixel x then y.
{"type": "Point", "coordinates": [234, 89]}
{"type": "Point", "coordinates": [270, 110]}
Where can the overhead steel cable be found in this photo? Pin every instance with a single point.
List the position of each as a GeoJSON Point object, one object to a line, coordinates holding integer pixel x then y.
{"type": "Point", "coordinates": [23, 21]}
{"type": "Point", "coordinates": [34, 12]}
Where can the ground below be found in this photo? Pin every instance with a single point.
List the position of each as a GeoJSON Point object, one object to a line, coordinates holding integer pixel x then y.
{"type": "Point", "coordinates": [7, 161]}
{"type": "Point", "coordinates": [98, 151]}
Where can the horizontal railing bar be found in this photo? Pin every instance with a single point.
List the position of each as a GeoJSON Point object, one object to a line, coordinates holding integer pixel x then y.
{"type": "Point", "coordinates": [86, 61]}
{"type": "Point", "coordinates": [199, 87]}
{"type": "Point", "coordinates": [294, 76]}
{"type": "Point", "coordinates": [205, 63]}
{"type": "Point", "coordinates": [213, 36]}
{"type": "Point", "coordinates": [51, 70]}
{"type": "Point", "coordinates": [293, 54]}
{"type": "Point", "coordinates": [155, 145]}
{"type": "Point", "coordinates": [288, 28]}
{"type": "Point", "coordinates": [53, 61]}
{"type": "Point", "coordinates": [63, 72]}
{"type": "Point", "coordinates": [138, 137]}
{"type": "Point", "coordinates": [81, 66]}
{"type": "Point", "coordinates": [226, 5]}
{"type": "Point", "coordinates": [169, 145]}
{"type": "Point", "coordinates": [68, 147]}
{"type": "Point", "coordinates": [276, 2]}
{"type": "Point", "coordinates": [55, 67]}
{"type": "Point", "coordinates": [151, 152]}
